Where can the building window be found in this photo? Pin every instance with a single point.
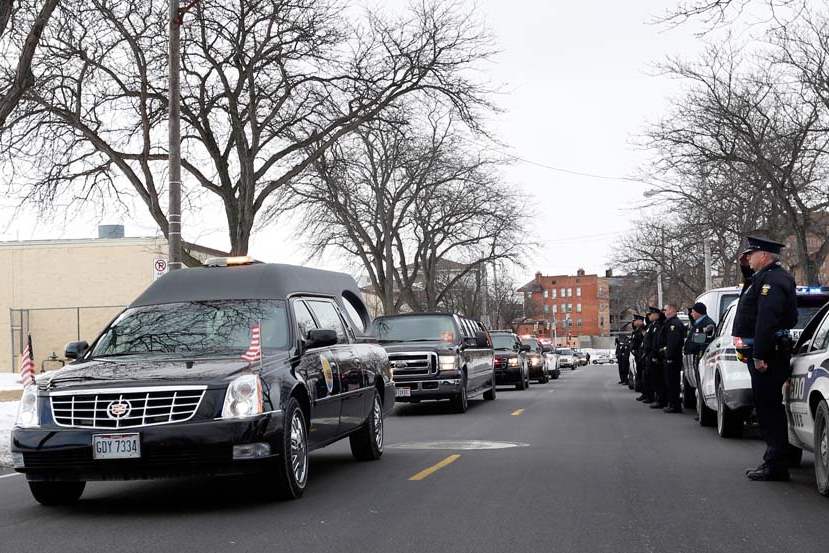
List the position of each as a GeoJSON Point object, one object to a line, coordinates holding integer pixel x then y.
{"type": "Point", "coordinates": [553, 293]}
{"type": "Point", "coordinates": [546, 308]}
{"type": "Point", "coordinates": [578, 308]}
{"type": "Point", "coordinates": [579, 322]}
{"type": "Point", "coordinates": [555, 308]}
{"type": "Point", "coordinates": [563, 292]}
{"type": "Point", "coordinates": [578, 291]}
{"type": "Point", "coordinates": [545, 293]}
{"type": "Point", "coordinates": [569, 292]}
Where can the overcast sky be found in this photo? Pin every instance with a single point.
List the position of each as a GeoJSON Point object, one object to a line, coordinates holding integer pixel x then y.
{"type": "Point", "coordinates": [579, 86]}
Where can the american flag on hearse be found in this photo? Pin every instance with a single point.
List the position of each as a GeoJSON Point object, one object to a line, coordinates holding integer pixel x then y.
{"type": "Point", "coordinates": [27, 364]}
{"type": "Point", "coordinates": [254, 352]}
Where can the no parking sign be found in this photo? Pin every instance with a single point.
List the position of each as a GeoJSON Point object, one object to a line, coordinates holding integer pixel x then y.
{"type": "Point", "coordinates": [159, 268]}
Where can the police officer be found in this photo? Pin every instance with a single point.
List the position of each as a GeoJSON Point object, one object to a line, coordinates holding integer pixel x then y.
{"type": "Point", "coordinates": [672, 340]}
{"type": "Point", "coordinates": [653, 366]}
{"type": "Point", "coordinates": [637, 336]}
{"type": "Point", "coordinates": [623, 358]}
{"type": "Point", "coordinates": [700, 334]}
{"type": "Point", "coordinates": [766, 310]}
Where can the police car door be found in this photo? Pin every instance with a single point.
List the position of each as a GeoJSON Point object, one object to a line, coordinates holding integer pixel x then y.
{"type": "Point", "coordinates": [716, 354]}
{"type": "Point", "coordinates": [321, 372]}
{"type": "Point", "coordinates": [810, 366]}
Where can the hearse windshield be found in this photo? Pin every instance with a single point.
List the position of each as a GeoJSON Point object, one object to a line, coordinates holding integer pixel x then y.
{"type": "Point", "coordinates": [195, 328]}
{"type": "Point", "coordinates": [503, 341]}
{"type": "Point", "coordinates": [414, 328]}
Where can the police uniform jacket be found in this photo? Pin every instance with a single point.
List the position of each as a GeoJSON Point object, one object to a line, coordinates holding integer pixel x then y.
{"type": "Point", "coordinates": [768, 304]}
{"type": "Point", "coordinates": [650, 343]}
{"type": "Point", "coordinates": [672, 340]}
{"type": "Point", "coordinates": [705, 326]}
{"type": "Point", "coordinates": [636, 341]}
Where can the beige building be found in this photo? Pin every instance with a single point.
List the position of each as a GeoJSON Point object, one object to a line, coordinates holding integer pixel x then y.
{"type": "Point", "coordinates": [64, 290]}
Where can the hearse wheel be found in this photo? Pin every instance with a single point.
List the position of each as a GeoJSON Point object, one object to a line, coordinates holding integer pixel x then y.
{"type": "Point", "coordinates": [367, 442]}
{"type": "Point", "coordinates": [290, 474]}
{"type": "Point", "coordinates": [56, 493]}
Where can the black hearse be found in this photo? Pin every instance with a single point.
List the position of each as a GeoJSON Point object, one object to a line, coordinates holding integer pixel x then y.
{"type": "Point", "coordinates": [437, 356]}
{"type": "Point", "coordinates": [176, 384]}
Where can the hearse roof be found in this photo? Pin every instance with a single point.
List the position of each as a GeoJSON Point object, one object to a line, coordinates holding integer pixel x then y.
{"type": "Point", "coordinates": [247, 282]}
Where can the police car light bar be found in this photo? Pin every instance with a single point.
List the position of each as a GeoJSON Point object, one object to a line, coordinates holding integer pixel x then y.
{"type": "Point", "coordinates": [813, 289]}
{"type": "Point", "coordinates": [229, 261]}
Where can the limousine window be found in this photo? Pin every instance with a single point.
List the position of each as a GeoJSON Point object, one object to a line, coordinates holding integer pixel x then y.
{"type": "Point", "coordinates": [503, 341]}
{"type": "Point", "coordinates": [412, 328]}
{"type": "Point", "coordinates": [195, 328]}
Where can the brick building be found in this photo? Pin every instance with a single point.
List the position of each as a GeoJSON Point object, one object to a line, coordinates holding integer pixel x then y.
{"type": "Point", "coordinates": [578, 304]}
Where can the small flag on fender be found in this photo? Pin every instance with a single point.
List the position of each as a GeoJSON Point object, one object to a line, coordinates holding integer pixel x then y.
{"type": "Point", "coordinates": [27, 364]}
{"type": "Point", "coordinates": [254, 351]}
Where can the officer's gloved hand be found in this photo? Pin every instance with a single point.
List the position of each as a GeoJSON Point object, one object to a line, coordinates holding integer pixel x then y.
{"type": "Point", "coordinates": [747, 271]}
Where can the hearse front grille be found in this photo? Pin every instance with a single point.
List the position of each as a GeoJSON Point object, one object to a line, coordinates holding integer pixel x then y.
{"type": "Point", "coordinates": [414, 364]}
{"type": "Point", "coordinates": [126, 407]}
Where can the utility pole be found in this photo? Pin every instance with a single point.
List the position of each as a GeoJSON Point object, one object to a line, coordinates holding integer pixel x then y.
{"type": "Point", "coordinates": [174, 210]}
{"type": "Point", "coordinates": [706, 249]}
{"type": "Point", "coordinates": [485, 300]}
{"type": "Point", "coordinates": [660, 269]}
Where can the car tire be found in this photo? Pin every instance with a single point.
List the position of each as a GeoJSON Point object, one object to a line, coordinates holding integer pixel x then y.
{"type": "Point", "coordinates": [491, 394]}
{"type": "Point", "coordinates": [53, 494]}
{"type": "Point", "coordinates": [705, 416]}
{"type": "Point", "coordinates": [544, 379]}
{"type": "Point", "coordinates": [460, 403]}
{"type": "Point", "coordinates": [290, 475]}
{"type": "Point", "coordinates": [729, 423]}
{"type": "Point", "coordinates": [689, 395]}
{"type": "Point", "coordinates": [822, 448]}
{"type": "Point", "coordinates": [367, 442]}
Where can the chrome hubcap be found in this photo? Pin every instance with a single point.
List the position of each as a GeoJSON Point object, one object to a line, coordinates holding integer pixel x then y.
{"type": "Point", "coordinates": [377, 413]}
{"type": "Point", "coordinates": [299, 449]}
{"type": "Point", "coordinates": [824, 445]}
{"type": "Point", "coordinates": [719, 409]}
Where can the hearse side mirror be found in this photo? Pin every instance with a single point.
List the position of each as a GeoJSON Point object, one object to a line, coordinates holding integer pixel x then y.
{"type": "Point", "coordinates": [75, 350]}
{"type": "Point", "coordinates": [320, 338]}
{"type": "Point", "coordinates": [524, 347]}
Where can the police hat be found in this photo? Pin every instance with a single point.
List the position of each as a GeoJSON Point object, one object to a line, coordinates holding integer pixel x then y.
{"type": "Point", "coordinates": [652, 309]}
{"type": "Point", "coordinates": [700, 308]}
{"type": "Point", "coordinates": [759, 243]}
{"type": "Point", "coordinates": [638, 317]}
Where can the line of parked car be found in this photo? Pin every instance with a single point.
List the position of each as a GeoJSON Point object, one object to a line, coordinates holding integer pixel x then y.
{"type": "Point", "coordinates": [718, 386]}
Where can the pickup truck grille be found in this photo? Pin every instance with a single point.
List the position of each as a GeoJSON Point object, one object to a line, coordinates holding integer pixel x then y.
{"type": "Point", "coordinates": [126, 407]}
{"type": "Point", "coordinates": [414, 364]}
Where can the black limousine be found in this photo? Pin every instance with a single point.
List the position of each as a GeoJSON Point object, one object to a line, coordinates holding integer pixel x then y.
{"type": "Point", "coordinates": [233, 368]}
{"type": "Point", "coordinates": [437, 356]}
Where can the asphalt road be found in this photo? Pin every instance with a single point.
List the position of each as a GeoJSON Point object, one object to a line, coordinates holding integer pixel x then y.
{"type": "Point", "coordinates": [599, 472]}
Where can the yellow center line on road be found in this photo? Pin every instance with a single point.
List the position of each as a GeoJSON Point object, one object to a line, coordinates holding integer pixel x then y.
{"type": "Point", "coordinates": [425, 473]}
{"type": "Point", "coordinates": [517, 412]}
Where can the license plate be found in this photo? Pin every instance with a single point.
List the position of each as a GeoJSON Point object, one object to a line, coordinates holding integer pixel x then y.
{"type": "Point", "coordinates": [116, 446]}
{"type": "Point", "coordinates": [403, 392]}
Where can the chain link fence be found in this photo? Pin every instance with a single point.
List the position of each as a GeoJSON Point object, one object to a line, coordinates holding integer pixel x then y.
{"type": "Point", "coordinates": [51, 329]}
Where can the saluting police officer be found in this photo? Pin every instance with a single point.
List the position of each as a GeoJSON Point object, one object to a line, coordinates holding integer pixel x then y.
{"type": "Point", "coordinates": [653, 367]}
{"type": "Point", "coordinates": [637, 336]}
{"type": "Point", "coordinates": [700, 334]}
{"type": "Point", "coordinates": [623, 358]}
{"type": "Point", "coordinates": [766, 311]}
{"type": "Point", "coordinates": [673, 338]}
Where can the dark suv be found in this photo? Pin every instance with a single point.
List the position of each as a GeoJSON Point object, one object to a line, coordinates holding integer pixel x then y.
{"type": "Point", "coordinates": [237, 367]}
{"type": "Point", "coordinates": [437, 356]}
{"type": "Point", "coordinates": [510, 359]}
{"type": "Point", "coordinates": [535, 359]}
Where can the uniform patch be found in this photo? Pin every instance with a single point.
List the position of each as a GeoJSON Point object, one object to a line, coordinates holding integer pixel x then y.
{"type": "Point", "coordinates": [327, 373]}
{"type": "Point", "coordinates": [673, 328]}
{"type": "Point", "coordinates": [764, 290]}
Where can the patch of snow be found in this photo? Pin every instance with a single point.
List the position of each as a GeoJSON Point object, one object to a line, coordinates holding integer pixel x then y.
{"type": "Point", "coordinates": [10, 381]}
{"type": "Point", "coordinates": [8, 413]}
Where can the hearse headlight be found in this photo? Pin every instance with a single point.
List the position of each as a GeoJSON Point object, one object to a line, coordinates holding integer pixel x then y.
{"type": "Point", "coordinates": [243, 397]}
{"type": "Point", "coordinates": [27, 409]}
{"type": "Point", "coordinates": [448, 363]}
{"type": "Point", "coordinates": [536, 361]}
{"type": "Point", "coordinates": [513, 362]}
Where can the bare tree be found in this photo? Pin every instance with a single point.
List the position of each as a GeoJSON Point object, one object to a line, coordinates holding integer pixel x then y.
{"type": "Point", "coordinates": [268, 86]}
{"type": "Point", "coordinates": [16, 80]}
{"type": "Point", "coordinates": [752, 134]}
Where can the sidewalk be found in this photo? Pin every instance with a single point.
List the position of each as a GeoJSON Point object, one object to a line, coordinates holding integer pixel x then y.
{"type": "Point", "coordinates": [8, 412]}
{"type": "Point", "coordinates": [10, 388]}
